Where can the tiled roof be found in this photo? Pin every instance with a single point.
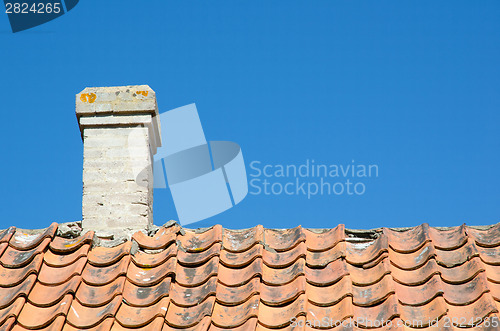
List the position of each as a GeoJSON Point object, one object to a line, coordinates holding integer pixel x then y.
{"type": "Point", "coordinates": [255, 279]}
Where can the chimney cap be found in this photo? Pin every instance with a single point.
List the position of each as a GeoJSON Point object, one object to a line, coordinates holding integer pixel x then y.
{"type": "Point", "coordinates": [116, 100]}
{"type": "Point", "coordinates": [119, 106]}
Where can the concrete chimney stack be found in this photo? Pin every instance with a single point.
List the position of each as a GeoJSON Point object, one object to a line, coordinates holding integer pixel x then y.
{"type": "Point", "coordinates": [121, 131]}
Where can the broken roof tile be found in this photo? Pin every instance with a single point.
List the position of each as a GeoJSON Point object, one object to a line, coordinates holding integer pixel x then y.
{"type": "Point", "coordinates": [328, 275]}
{"type": "Point", "coordinates": [359, 253]}
{"type": "Point", "coordinates": [321, 259]}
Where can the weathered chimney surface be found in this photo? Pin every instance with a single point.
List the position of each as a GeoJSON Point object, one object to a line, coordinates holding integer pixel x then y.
{"type": "Point", "coordinates": [120, 131]}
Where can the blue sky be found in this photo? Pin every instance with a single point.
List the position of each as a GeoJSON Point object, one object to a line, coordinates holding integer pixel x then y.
{"type": "Point", "coordinates": [411, 86]}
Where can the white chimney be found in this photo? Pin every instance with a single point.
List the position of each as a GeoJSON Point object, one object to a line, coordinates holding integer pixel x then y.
{"type": "Point", "coordinates": [120, 130]}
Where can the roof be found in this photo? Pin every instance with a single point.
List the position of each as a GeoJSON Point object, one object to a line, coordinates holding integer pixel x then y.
{"type": "Point", "coordinates": [250, 279]}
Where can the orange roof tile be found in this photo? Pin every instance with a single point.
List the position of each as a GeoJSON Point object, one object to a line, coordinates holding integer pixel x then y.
{"type": "Point", "coordinates": [254, 279]}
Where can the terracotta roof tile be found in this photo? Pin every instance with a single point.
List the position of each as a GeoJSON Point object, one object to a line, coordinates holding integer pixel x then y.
{"type": "Point", "coordinates": [240, 259]}
{"type": "Point", "coordinates": [203, 324]}
{"type": "Point", "coordinates": [328, 275]}
{"type": "Point", "coordinates": [56, 259]}
{"type": "Point", "coordinates": [318, 241]}
{"type": "Point", "coordinates": [276, 317]}
{"type": "Point", "coordinates": [44, 295]}
{"type": "Point", "coordinates": [148, 276]}
{"type": "Point", "coordinates": [56, 324]}
{"type": "Point", "coordinates": [92, 295]}
{"type": "Point", "coordinates": [162, 238]}
{"type": "Point", "coordinates": [156, 324]}
{"type": "Point", "coordinates": [242, 240]}
{"type": "Point", "coordinates": [486, 238]}
{"type": "Point", "coordinates": [64, 245]}
{"type": "Point", "coordinates": [183, 317]}
{"type": "Point", "coordinates": [142, 296]}
{"type": "Point", "coordinates": [81, 316]}
{"type": "Point", "coordinates": [321, 259]}
{"type": "Point", "coordinates": [104, 325]}
{"type": "Point", "coordinates": [193, 259]}
{"type": "Point", "coordinates": [282, 294]}
{"type": "Point", "coordinates": [9, 294]}
{"type": "Point", "coordinates": [255, 279]}
{"type": "Point", "coordinates": [133, 317]}
{"type": "Point", "coordinates": [104, 256]}
{"type": "Point", "coordinates": [329, 295]}
{"type": "Point", "coordinates": [32, 316]}
{"type": "Point", "coordinates": [14, 276]}
{"type": "Point", "coordinates": [283, 240]}
{"type": "Point", "coordinates": [234, 316]}
{"type": "Point", "coordinates": [151, 260]}
{"type": "Point", "coordinates": [237, 294]}
{"type": "Point", "coordinates": [101, 275]}
{"type": "Point", "coordinates": [6, 234]}
{"type": "Point", "coordinates": [26, 241]}
{"type": "Point", "coordinates": [14, 258]}
{"type": "Point", "coordinates": [12, 310]}
{"type": "Point", "coordinates": [340, 311]}
{"type": "Point", "coordinates": [57, 275]}
{"type": "Point", "coordinates": [191, 296]}
{"type": "Point", "coordinates": [371, 295]}
{"type": "Point", "coordinates": [197, 242]}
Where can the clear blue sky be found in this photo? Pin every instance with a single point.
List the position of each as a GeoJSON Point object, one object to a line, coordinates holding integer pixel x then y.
{"type": "Point", "coordinates": [412, 86]}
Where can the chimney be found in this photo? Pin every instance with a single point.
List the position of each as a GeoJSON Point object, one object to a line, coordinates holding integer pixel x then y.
{"type": "Point", "coordinates": [121, 131]}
